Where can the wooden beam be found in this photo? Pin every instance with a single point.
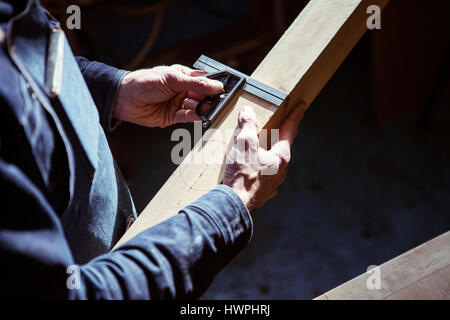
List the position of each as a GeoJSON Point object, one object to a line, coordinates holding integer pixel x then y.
{"type": "Point", "coordinates": [421, 273]}
{"type": "Point", "coordinates": [300, 64]}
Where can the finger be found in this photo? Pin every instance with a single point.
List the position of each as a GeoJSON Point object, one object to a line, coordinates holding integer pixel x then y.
{"type": "Point", "coordinates": [188, 71]}
{"type": "Point", "coordinates": [270, 162]}
{"type": "Point", "coordinates": [247, 139]}
{"type": "Point", "coordinates": [288, 131]}
{"type": "Point", "coordinates": [194, 95]}
{"type": "Point", "coordinates": [201, 85]}
{"type": "Point", "coordinates": [190, 104]}
{"type": "Point", "coordinates": [247, 120]}
{"type": "Point", "coordinates": [179, 100]}
{"type": "Point", "coordinates": [282, 150]}
{"type": "Point", "coordinates": [289, 128]}
{"type": "Point", "coordinates": [184, 115]}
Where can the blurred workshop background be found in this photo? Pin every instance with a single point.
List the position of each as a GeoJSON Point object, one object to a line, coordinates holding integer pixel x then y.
{"type": "Point", "coordinates": [370, 171]}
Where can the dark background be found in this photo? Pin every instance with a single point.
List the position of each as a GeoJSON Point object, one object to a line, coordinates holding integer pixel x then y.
{"type": "Point", "coordinates": [370, 172]}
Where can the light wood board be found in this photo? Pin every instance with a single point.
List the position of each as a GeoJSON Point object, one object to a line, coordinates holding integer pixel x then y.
{"type": "Point", "coordinates": [300, 64]}
{"type": "Point", "coordinates": [421, 273]}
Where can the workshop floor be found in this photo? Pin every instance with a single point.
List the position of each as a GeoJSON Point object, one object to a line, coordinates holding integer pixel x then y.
{"type": "Point", "coordinates": [356, 195]}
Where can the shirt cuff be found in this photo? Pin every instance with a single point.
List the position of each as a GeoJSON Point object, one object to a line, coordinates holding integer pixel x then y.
{"type": "Point", "coordinates": [231, 217]}
{"type": "Point", "coordinates": [104, 84]}
{"type": "Point", "coordinates": [112, 123]}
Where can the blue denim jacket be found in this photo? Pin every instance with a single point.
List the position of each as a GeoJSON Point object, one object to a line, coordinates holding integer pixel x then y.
{"type": "Point", "coordinates": [64, 202]}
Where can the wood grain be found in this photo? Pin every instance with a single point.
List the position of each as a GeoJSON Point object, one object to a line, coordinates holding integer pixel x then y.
{"type": "Point", "coordinates": [421, 273]}
{"type": "Point", "coordinates": [300, 64]}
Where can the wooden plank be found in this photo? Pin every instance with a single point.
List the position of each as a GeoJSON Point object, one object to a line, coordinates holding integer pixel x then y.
{"type": "Point", "coordinates": [432, 287]}
{"type": "Point", "coordinates": [300, 64]}
{"type": "Point", "coordinates": [445, 273]}
{"type": "Point", "coordinates": [421, 273]}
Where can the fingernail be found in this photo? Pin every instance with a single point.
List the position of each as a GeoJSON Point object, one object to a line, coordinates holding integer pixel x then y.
{"type": "Point", "coordinates": [197, 73]}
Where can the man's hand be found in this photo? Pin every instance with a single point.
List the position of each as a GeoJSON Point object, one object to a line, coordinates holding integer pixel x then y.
{"type": "Point", "coordinates": [163, 96]}
{"type": "Point", "coordinates": [248, 165]}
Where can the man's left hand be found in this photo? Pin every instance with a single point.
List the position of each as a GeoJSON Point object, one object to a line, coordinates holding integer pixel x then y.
{"type": "Point", "coordinates": [163, 96]}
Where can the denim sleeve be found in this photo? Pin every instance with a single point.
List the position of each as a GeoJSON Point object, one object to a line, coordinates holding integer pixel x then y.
{"type": "Point", "coordinates": [177, 258]}
{"type": "Point", "coordinates": [103, 82]}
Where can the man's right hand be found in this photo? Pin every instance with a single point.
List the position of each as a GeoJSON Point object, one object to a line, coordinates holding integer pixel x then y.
{"type": "Point", "coordinates": [248, 164]}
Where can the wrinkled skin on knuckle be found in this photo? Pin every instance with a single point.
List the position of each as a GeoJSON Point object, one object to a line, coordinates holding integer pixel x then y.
{"type": "Point", "coordinates": [172, 78]}
{"type": "Point", "coordinates": [202, 81]}
{"type": "Point", "coordinates": [238, 165]}
{"type": "Point", "coordinates": [247, 115]}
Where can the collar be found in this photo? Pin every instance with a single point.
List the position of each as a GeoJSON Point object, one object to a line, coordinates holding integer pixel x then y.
{"type": "Point", "coordinates": [27, 41]}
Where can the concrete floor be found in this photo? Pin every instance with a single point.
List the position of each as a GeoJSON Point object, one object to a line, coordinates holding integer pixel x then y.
{"type": "Point", "coordinates": [356, 194]}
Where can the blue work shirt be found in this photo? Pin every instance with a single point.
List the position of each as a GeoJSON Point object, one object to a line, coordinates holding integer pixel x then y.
{"type": "Point", "coordinates": [64, 202]}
